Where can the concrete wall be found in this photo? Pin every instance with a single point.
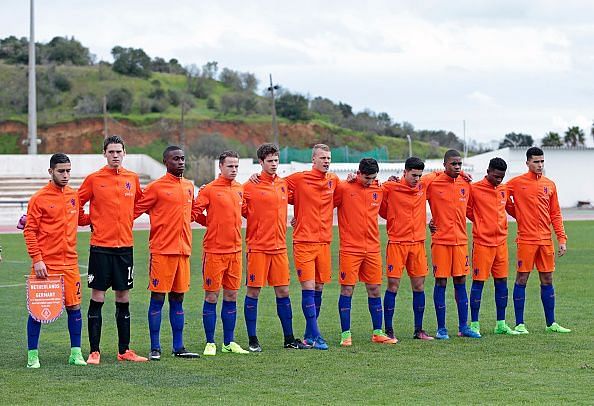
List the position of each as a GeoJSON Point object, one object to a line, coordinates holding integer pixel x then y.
{"type": "Point", "coordinates": [568, 168]}
{"type": "Point", "coordinates": [82, 165]}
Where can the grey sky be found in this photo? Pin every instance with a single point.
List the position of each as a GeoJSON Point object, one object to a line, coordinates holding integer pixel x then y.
{"type": "Point", "coordinates": [500, 65]}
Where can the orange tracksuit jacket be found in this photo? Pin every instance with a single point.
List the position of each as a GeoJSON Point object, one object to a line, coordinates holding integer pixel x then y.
{"type": "Point", "coordinates": [52, 218]}
{"type": "Point", "coordinates": [113, 194]}
{"type": "Point", "coordinates": [312, 194]}
{"type": "Point", "coordinates": [405, 209]}
{"type": "Point", "coordinates": [168, 201]}
{"type": "Point", "coordinates": [265, 208]}
{"type": "Point", "coordinates": [536, 208]}
{"type": "Point", "coordinates": [222, 200]}
{"type": "Point", "coordinates": [358, 207]}
{"type": "Point", "coordinates": [448, 198]}
{"type": "Point", "coordinates": [486, 210]}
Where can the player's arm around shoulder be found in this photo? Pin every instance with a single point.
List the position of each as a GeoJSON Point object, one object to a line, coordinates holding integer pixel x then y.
{"type": "Point", "coordinates": [338, 193]}
{"type": "Point", "coordinates": [148, 199]}
{"type": "Point", "coordinates": [201, 204]}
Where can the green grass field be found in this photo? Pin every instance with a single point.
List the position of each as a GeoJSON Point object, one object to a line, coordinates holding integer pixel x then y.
{"type": "Point", "coordinates": [537, 368]}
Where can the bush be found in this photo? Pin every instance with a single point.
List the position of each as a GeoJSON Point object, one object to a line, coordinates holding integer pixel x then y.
{"type": "Point", "coordinates": [87, 104]}
{"type": "Point", "coordinates": [119, 99]}
{"type": "Point", "coordinates": [174, 97]}
{"type": "Point", "coordinates": [62, 83]}
{"type": "Point", "coordinates": [211, 104]}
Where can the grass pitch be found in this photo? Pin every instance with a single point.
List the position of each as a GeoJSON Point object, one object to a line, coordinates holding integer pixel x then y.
{"type": "Point", "coordinates": [536, 368]}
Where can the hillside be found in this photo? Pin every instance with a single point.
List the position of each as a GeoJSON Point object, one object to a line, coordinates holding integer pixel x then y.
{"type": "Point", "coordinates": [70, 114]}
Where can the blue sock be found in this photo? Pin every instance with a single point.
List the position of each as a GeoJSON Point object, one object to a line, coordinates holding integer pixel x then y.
{"type": "Point", "coordinates": [318, 301]}
{"type": "Point", "coordinates": [462, 304]}
{"type": "Point", "coordinates": [285, 314]}
{"type": "Point", "coordinates": [389, 305]}
{"type": "Point", "coordinates": [440, 305]}
{"type": "Point", "coordinates": [418, 309]}
{"type": "Point", "coordinates": [33, 331]}
{"type": "Point", "coordinates": [344, 310]}
{"type": "Point", "coordinates": [250, 312]}
{"type": "Point", "coordinates": [376, 311]}
{"type": "Point", "coordinates": [74, 326]}
{"type": "Point", "coordinates": [308, 306]}
{"type": "Point", "coordinates": [501, 298]}
{"type": "Point", "coordinates": [547, 295]}
{"type": "Point", "coordinates": [209, 320]}
{"type": "Point", "coordinates": [228, 316]}
{"type": "Point", "coordinates": [154, 322]}
{"type": "Point", "coordinates": [176, 318]}
{"type": "Point", "coordinates": [476, 292]}
{"type": "Point", "coordinates": [519, 300]}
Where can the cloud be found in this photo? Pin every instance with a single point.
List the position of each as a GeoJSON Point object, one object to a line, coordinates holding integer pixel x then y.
{"type": "Point", "coordinates": [481, 98]}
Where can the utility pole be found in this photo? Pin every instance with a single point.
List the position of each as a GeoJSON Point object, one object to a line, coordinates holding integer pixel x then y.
{"type": "Point", "coordinates": [465, 143]}
{"type": "Point", "coordinates": [105, 132]}
{"type": "Point", "coordinates": [271, 89]}
{"type": "Point", "coordinates": [32, 121]}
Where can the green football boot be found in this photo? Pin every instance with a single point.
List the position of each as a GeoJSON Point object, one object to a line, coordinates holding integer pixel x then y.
{"type": "Point", "coordinates": [556, 328]}
{"type": "Point", "coordinates": [503, 328]}
{"type": "Point", "coordinates": [33, 359]}
{"type": "Point", "coordinates": [76, 357]}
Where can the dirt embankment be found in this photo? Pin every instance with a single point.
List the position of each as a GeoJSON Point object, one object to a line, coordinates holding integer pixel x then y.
{"type": "Point", "coordinates": [86, 135]}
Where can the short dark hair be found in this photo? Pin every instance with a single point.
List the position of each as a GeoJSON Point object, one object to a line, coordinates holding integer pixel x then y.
{"type": "Point", "coordinates": [368, 166]}
{"type": "Point", "coordinates": [227, 154]}
{"type": "Point", "coordinates": [266, 149]}
{"type": "Point", "coordinates": [534, 151]}
{"type": "Point", "coordinates": [59, 158]}
{"type": "Point", "coordinates": [450, 153]}
{"type": "Point", "coordinates": [498, 163]}
{"type": "Point", "coordinates": [113, 139]}
{"type": "Point", "coordinates": [169, 149]}
{"type": "Point", "coordinates": [414, 163]}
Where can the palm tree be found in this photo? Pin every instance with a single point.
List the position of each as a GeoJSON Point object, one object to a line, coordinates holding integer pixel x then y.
{"type": "Point", "coordinates": [574, 136]}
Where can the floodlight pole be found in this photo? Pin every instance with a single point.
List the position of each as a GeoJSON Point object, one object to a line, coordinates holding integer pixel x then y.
{"type": "Point", "coordinates": [32, 121]}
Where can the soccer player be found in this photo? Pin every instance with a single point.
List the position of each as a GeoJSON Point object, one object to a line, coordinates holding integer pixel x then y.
{"type": "Point", "coordinates": [358, 206]}
{"type": "Point", "coordinates": [50, 235]}
{"type": "Point", "coordinates": [169, 201]}
{"type": "Point", "coordinates": [486, 210]}
{"type": "Point", "coordinates": [536, 206]}
{"type": "Point", "coordinates": [448, 197]}
{"type": "Point", "coordinates": [405, 209]}
{"type": "Point", "coordinates": [265, 208]}
{"type": "Point", "coordinates": [112, 192]}
{"type": "Point", "coordinates": [312, 195]}
{"type": "Point", "coordinates": [222, 200]}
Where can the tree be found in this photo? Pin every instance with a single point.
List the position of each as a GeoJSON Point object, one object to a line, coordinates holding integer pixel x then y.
{"type": "Point", "coordinates": [293, 106]}
{"type": "Point", "coordinates": [210, 69]}
{"type": "Point", "coordinates": [574, 137]}
{"type": "Point", "coordinates": [512, 140]}
{"type": "Point", "coordinates": [231, 79]}
{"type": "Point", "coordinates": [62, 50]}
{"type": "Point", "coordinates": [552, 139]}
{"type": "Point", "coordinates": [15, 51]}
{"type": "Point", "coordinates": [131, 62]}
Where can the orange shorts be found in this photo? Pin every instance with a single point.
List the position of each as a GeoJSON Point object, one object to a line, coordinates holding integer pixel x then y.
{"type": "Point", "coordinates": [411, 256]}
{"type": "Point", "coordinates": [313, 262]}
{"type": "Point", "coordinates": [489, 260]}
{"type": "Point", "coordinates": [72, 288]}
{"type": "Point", "coordinates": [360, 267]}
{"type": "Point", "coordinates": [264, 267]}
{"type": "Point", "coordinates": [449, 260]}
{"type": "Point", "coordinates": [221, 270]}
{"type": "Point", "coordinates": [169, 273]}
{"type": "Point", "coordinates": [529, 255]}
